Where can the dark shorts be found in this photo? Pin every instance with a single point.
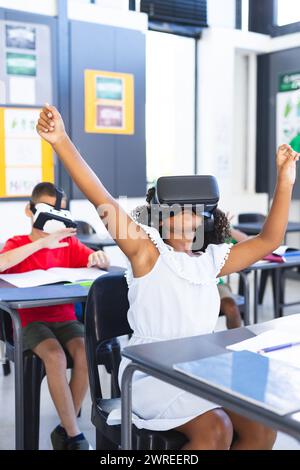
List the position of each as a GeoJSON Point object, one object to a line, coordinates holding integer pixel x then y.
{"type": "Point", "coordinates": [36, 332]}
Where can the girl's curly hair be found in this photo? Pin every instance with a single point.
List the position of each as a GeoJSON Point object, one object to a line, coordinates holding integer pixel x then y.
{"type": "Point", "coordinates": [221, 232]}
{"type": "Point", "coordinates": [141, 214]}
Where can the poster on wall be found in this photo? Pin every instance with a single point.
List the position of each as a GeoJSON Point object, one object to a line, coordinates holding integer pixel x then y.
{"type": "Point", "coordinates": [109, 102]}
{"type": "Point", "coordinates": [20, 36]}
{"type": "Point", "coordinates": [25, 159]}
{"type": "Point", "coordinates": [20, 64]}
{"type": "Point", "coordinates": [288, 110]}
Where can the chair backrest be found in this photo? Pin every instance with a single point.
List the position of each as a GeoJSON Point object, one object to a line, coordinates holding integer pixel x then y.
{"type": "Point", "coordinates": [105, 318]}
{"type": "Point", "coordinates": [251, 218]}
{"type": "Point", "coordinates": [84, 228]}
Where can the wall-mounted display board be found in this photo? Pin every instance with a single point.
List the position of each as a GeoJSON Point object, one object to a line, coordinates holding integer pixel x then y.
{"type": "Point", "coordinates": [119, 159]}
{"type": "Point", "coordinates": [25, 63]}
{"type": "Point", "coordinates": [288, 110]}
{"type": "Point", "coordinates": [278, 114]}
{"type": "Point", "coordinates": [25, 159]}
{"type": "Point", "coordinates": [109, 102]}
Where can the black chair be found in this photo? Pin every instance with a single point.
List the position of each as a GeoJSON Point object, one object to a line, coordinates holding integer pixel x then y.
{"type": "Point", "coordinates": [251, 218]}
{"type": "Point", "coordinates": [106, 318]}
{"type": "Point", "coordinates": [84, 228]}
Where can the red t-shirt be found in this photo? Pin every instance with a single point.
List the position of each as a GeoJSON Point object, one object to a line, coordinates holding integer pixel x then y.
{"type": "Point", "coordinates": [75, 255]}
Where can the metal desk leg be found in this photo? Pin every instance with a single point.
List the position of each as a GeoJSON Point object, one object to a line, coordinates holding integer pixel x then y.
{"type": "Point", "coordinates": [245, 280]}
{"type": "Point", "coordinates": [126, 400]}
{"type": "Point", "coordinates": [255, 296]}
{"type": "Point", "coordinates": [19, 382]}
{"type": "Point", "coordinates": [19, 376]}
{"type": "Point", "coordinates": [277, 274]}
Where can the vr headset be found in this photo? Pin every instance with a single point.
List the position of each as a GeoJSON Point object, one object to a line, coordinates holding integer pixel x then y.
{"type": "Point", "coordinates": [193, 191]}
{"type": "Point", "coordinates": [51, 218]}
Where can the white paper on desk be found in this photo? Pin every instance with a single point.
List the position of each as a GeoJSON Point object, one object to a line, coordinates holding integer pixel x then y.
{"type": "Point", "coordinates": [40, 277]}
{"type": "Point", "coordinates": [280, 250]}
{"type": "Point", "coordinates": [272, 338]}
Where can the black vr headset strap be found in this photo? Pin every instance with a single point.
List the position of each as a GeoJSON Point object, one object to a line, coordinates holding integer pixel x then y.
{"type": "Point", "coordinates": [59, 196]}
{"type": "Point", "coordinates": [32, 207]}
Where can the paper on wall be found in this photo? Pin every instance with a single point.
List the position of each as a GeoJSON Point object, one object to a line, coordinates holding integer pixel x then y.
{"type": "Point", "coordinates": [23, 152]}
{"type": "Point", "coordinates": [21, 122]}
{"type": "Point", "coordinates": [22, 90]}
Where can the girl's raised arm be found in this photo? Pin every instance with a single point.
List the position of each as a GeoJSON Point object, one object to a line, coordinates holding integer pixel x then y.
{"type": "Point", "coordinates": [132, 240]}
{"type": "Point", "coordinates": [248, 252]}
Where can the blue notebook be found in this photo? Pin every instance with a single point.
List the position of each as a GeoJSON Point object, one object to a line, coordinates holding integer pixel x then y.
{"type": "Point", "coordinates": [258, 379]}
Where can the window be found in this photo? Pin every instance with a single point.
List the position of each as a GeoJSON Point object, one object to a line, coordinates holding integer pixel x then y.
{"type": "Point", "coordinates": [245, 15]}
{"type": "Point", "coordinates": [170, 105]}
{"type": "Point", "coordinates": [288, 12]}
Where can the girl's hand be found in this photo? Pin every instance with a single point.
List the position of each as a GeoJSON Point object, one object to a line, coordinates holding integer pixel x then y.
{"type": "Point", "coordinates": [98, 259]}
{"type": "Point", "coordinates": [53, 240]}
{"type": "Point", "coordinates": [50, 125]}
{"type": "Point", "coordinates": [286, 163]}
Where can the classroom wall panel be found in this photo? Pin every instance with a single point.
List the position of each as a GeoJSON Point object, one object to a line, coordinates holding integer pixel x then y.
{"type": "Point", "coordinates": [92, 47]}
{"type": "Point", "coordinates": [130, 170]}
{"type": "Point", "coordinates": [270, 68]}
{"type": "Point", "coordinates": [119, 160]}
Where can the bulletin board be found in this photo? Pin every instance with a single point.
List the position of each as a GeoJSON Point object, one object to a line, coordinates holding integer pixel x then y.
{"type": "Point", "coordinates": [278, 114]}
{"type": "Point", "coordinates": [109, 102]}
{"type": "Point", "coordinates": [25, 159]}
{"type": "Point", "coordinates": [25, 63]}
{"type": "Point", "coordinates": [288, 110]}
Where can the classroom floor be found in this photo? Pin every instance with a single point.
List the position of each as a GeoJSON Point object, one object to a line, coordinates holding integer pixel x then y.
{"type": "Point", "coordinates": [48, 414]}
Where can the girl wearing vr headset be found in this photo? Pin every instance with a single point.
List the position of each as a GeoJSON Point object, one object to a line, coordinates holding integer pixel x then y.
{"type": "Point", "coordinates": [168, 287]}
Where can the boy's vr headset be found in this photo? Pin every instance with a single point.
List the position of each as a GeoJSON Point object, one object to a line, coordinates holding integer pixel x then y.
{"type": "Point", "coordinates": [193, 191]}
{"type": "Point", "coordinates": [51, 218]}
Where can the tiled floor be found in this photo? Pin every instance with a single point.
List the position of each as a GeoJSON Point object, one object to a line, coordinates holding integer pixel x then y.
{"type": "Point", "coordinates": [48, 414]}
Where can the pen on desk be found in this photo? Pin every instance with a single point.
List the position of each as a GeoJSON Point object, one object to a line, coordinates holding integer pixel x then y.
{"type": "Point", "coordinates": [278, 347]}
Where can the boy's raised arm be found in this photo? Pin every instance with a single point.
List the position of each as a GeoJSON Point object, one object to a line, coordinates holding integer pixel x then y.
{"type": "Point", "coordinates": [129, 236]}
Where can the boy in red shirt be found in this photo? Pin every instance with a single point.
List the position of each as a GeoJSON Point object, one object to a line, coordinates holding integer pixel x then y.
{"type": "Point", "coordinates": [47, 330]}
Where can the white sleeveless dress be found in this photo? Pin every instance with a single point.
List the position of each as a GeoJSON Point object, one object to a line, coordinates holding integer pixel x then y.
{"type": "Point", "coordinates": [176, 299]}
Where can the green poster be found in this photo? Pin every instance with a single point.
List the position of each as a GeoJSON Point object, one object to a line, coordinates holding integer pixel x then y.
{"type": "Point", "coordinates": [109, 88]}
{"type": "Point", "coordinates": [20, 64]}
{"type": "Point", "coordinates": [289, 82]}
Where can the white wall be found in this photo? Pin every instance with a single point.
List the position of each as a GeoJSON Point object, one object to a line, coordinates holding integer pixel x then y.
{"type": "Point", "coordinates": [221, 13]}
{"type": "Point", "coordinates": [223, 146]}
{"type": "Point", "coordinates": [170, 104]}
{"type": "Point", "coordinates": [43, 7]}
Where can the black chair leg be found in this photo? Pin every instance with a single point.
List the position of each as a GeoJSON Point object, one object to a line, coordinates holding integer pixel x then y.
{"type": "Point", "coordinates": [262, 286]}
{"type": "Point", "coordinates": [282, 291]}
{"type": "Point", "coordinates": [6, 368]}
{"type": "Point", "coordinates": [33, 375]}
{"type": "Point", "coordinates": [102, 443]}
{"type": "Point", "coordinates": [115, 363]}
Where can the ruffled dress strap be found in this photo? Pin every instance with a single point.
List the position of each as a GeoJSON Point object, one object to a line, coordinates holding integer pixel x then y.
{"type": "Point", "coordinates": [156, 239]}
